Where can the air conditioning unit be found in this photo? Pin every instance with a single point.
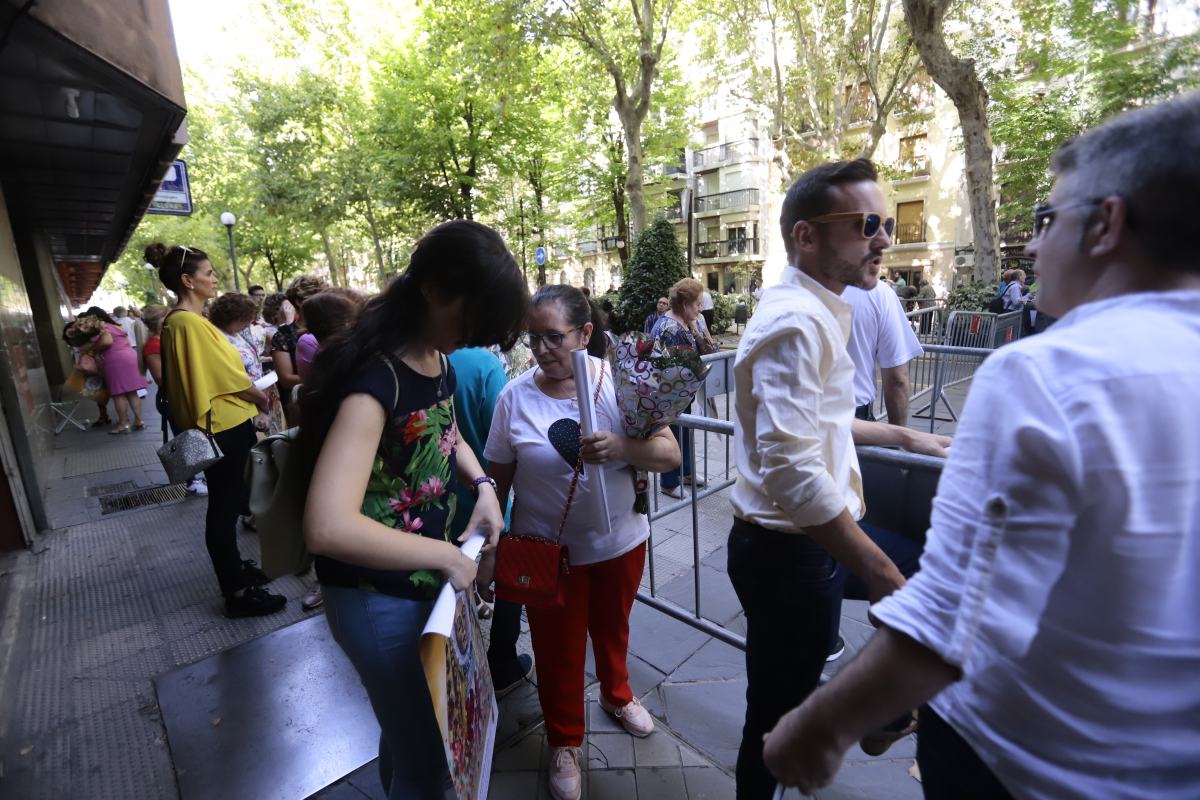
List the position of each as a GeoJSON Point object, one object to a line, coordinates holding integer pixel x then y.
{"type": "Point", "coordinates": [964, 261]}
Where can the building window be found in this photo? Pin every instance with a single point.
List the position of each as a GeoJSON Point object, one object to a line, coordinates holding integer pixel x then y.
{"type": "Point", "coordinates": [589, 279]}
{"type": "Point", "coordinates": [914, 155]}
{"type": "Point", "coordinates": [860, 101]}
{"type": "Point", "coordinates": [910, 222]}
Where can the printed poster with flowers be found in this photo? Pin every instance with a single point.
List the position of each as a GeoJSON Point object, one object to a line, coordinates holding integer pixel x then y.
{"type": "Point", "coordinates": [460, 686]}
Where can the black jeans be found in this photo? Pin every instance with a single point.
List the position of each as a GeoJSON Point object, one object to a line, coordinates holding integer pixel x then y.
{"type": "Point", "coordinates": [788, 587]}
{"type": "Point", "coordinates": [950, 769]}
{"type": "Point", "coordinates": [904, 552]}
{"type": "Point", "coordinates": [228, 496]}
{"type": "Point", "coordinates": [506, 629]}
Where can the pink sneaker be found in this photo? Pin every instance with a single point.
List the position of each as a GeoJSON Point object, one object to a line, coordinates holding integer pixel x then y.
{"type": "Point", "coordinates": [566, 782]}
{"type": "Point", "coordinates": [633, 717]}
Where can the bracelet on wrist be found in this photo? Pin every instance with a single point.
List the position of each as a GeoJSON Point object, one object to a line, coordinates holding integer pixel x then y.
{"type": "Point", "coordinates": [475, 484]}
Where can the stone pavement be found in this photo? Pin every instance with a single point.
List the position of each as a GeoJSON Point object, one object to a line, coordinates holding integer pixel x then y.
{"type": "Point", "coordinates": [100, 605]}
{"type": "Point", "coordinates": [105, 601]}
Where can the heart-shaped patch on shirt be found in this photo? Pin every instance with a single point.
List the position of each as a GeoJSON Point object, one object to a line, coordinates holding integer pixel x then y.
{"type": "Point", "coordinates": [564, 436]}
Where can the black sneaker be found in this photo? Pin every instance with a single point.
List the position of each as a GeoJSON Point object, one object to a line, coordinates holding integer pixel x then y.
{"type": "Point", "coordinates": [252, 575]}
{"type": "Point", "coordinates": [838, 650]}
{"type": "Point", "coordinates": [254, 602]}
{"type": "Point", "coordinates": [508, 679]}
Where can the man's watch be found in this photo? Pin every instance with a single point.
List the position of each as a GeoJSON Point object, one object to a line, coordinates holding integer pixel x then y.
{"type": "Point", "coordinates": [476, 483]}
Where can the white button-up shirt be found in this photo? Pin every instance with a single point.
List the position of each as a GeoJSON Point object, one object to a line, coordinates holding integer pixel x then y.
{"type": "Point", "coordinates": [1062, 567]}
{"type": "Point", "coordinates": [794, 409]}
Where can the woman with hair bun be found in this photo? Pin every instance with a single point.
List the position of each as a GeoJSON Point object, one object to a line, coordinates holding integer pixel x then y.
{"type": "Point", "coordinates": [208, 388]}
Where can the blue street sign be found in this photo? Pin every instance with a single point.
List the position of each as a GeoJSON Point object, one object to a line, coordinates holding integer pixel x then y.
{"type": "Point", "coordinates": [539, 256]}
{"type": "Point", "coordinates": [174, 195]}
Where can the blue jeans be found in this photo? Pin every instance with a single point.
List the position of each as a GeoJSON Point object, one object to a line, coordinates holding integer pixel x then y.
{"type": "Point", "coordinates": [380, 633]}
{"type": "Point", "coordinates": [671, 478]}
{"type": "Point", "coordinates": [788, 587]}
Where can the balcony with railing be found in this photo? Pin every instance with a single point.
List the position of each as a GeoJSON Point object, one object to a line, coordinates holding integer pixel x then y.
{"type": "Point", "coordinates": [910, 233]}
{"type": "Point", "coordinates": [915, 167]}
{"type": "Point", "coordinates": [588, 247]}
{"type": "Point", "coordinates": [611, 242]}
{"type": "Point", "coordinates": [674, 212]}
{"type": "Point", "coordinates": [724, 201]}
{"type": "Point", "coordinates": [727, 248]}
{"type": "Point", "coordinates": [719, 154]}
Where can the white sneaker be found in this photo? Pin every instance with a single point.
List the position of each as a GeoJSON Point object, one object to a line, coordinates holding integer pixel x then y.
{"type": "Point", "coordinates": [566, 782]}
{"type": "Point", "coordinates": [633, 717]}
{"type": "Point", "coordinates": [197, 486]}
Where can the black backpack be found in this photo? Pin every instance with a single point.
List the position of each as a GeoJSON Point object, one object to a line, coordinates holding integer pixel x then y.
{"type": "Point", "coordinates": [996, 304]}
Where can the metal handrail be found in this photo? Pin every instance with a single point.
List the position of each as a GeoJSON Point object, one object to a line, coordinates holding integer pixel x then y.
{"type": "Point", "coordinates": [691, 423]}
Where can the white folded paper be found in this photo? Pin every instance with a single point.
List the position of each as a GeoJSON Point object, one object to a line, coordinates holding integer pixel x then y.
{"type": "Point", "coordinates": [441, 619]}
{"type": "Point", "coordinates": [267, 380]}
{"type": "Point", "coordinates": [584, 390]}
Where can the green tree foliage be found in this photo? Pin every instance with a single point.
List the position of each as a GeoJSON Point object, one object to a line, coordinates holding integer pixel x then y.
{"type": "Point", "coordinates": [822, 68]}
{"type": "Point", "coordinates": [626, 40]}
{"type": "Point", "coordinates": [1078, 63]}
{"type": "Point", "coordinates": [657, 263]}
{"type": "Point", "coordinates": [454, 106]}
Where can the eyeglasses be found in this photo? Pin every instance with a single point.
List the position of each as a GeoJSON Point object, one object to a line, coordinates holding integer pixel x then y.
{"type": "Point", "coordinates": [552, 340]}
{"type": "Point", "coordinates": [871, 222]}
{"type": "Point", "coordinates": [1043, 215]}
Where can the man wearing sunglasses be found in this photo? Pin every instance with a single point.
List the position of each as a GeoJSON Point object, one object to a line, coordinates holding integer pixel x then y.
{"type": "Point", "coordinates": [1053, 628]}
{"type": "Point", "coordinates": [799, 490]}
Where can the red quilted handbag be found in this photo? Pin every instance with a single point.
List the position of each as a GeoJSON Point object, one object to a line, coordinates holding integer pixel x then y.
{"type": "Point", "coordinates": [529, 569]}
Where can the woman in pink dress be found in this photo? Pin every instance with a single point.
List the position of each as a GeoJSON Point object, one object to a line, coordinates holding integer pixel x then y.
{"type": "Point", "coordinates": [119, 363]}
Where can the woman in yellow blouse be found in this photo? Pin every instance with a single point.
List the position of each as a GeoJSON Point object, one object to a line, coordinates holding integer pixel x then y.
{"type": "Point", "coordinates": [207, 387]}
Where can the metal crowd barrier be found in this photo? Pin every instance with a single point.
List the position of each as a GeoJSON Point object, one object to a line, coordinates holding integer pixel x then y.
{"type": "Point", "coordinates": [882, 467]}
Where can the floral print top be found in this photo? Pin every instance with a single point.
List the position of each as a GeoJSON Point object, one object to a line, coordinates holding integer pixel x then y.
{"type": "Point", "coordinates": [413, 477]}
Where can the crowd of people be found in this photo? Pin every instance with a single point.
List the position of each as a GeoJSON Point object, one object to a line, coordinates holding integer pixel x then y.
{"type": "Point", "coordinates": [1043, 642]}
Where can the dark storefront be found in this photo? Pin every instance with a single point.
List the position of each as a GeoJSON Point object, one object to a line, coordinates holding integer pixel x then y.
{"type": "Point", "coordinates": [91, 115]}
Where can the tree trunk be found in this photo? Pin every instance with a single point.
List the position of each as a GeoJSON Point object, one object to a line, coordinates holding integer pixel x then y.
{"type": "Point", "coordinates": [959, 80]}
{"type": "Point", "coordinates": [333, 267]}
{"type": "Point", "coordinates": [274, 270]}
{"type": "Point", "coordinates": [618, 197]}
{"type": "Point", "coordinates": [375, 240]}
{"type": "Point", "coordinates": [631, 123]}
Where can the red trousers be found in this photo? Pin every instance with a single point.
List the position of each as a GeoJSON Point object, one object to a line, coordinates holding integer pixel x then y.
{"type": "Point", "coordinates": [599, 599]}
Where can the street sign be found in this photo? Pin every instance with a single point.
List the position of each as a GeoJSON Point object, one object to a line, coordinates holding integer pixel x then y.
{"type": "Point", "coordinates": [539, 256]}
{"type": "Point", "coordinates": [174, 195]}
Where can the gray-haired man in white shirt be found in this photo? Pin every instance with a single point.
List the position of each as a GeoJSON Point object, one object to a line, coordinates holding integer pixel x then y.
{"type": "Point", "coordinates": [799, 491]}
{"type": "Point", "coordinates": [1054, 627]}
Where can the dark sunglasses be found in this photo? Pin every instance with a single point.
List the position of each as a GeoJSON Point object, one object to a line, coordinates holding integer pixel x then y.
{"type": "Point", "coordinates": [553, 339]}
{"type": "Point", "coordinates": [871, 222]}
{"type": "Point", "coordinates": [1043, 215]}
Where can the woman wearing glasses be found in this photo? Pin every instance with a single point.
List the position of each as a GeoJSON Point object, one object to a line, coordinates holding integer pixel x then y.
{"type": "Point", "coordinates": [533, 447]}
{"type": "Point", "coordinates": [208, 388]}
{"type": "Point", "coordinates": [682, 326]}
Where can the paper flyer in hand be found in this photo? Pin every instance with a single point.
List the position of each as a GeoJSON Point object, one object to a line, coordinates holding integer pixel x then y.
{"type": "Point", "coordinates": [460, 685]}
{"type": "Point", "coordinates": [268, 380]}
{"type": "Point", "coordinates": [585, 390]}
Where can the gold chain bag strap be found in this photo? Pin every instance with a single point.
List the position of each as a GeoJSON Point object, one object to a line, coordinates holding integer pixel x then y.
{"type": "Point", "coordinates": [529, 569]}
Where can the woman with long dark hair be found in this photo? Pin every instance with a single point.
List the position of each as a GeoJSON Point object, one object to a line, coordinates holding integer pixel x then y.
{"type": "Point", "coordinates": [377, 411]}
{"type": "Point", "coordinates": [208, 388]}
{"type": "Point", "coordinates": [533, 447]}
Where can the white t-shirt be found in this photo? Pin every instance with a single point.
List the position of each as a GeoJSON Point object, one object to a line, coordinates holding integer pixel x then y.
{"type": "Point", "coordinates": [524, 424]}
{"type": "Point", "coordinates": [706, 301]}
{"type": "Point", "coordinates": [880, 335]}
